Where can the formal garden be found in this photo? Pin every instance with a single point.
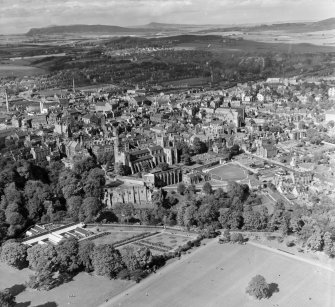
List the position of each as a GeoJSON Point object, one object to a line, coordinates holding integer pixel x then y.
{"type": "Point", "coordinates": [165, 242]}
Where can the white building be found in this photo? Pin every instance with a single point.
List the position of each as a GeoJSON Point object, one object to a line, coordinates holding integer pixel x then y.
{"type": "Point", "coordinates": [330, 116]}
{"type": "Point", "coordinates": [331, 92]}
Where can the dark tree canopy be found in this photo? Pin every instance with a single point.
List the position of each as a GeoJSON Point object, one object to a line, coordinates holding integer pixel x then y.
{"type": "Point", "coordinates": [14, 254]}
{"type": "Point", "coordinates": [258, 287]}
{"type": "Point", "coordinates": [7, 299]}
{"type": "Point", "coordinates": [106, 260]}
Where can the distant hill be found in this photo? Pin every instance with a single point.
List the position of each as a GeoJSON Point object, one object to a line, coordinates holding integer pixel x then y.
{"type": "Point", "coordinates": [327, 24]}
{"type": "Point", "coordinates": [83, 29]}
{"type": "Point", "coordinates": [155, 27]}
{"type": "Point", "coordinates": [297, 27]}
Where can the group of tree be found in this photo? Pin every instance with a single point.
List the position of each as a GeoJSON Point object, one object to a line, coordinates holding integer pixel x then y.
{"type": "Point", "coordinates": [53, 264]}
{"type": "Point", "coordinates": [31, 194]}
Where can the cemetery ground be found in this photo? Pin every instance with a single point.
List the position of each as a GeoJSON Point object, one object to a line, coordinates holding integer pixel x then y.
{"type": "Point", "coordinates": [218, 274]}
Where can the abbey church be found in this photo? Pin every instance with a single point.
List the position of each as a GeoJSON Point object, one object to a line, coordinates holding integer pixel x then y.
{"type": "Point", "coordinates": [141, 159]}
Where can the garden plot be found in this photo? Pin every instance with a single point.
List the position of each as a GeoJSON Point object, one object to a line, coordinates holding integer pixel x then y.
{"type": "Point", "coordinates": [165, 242]}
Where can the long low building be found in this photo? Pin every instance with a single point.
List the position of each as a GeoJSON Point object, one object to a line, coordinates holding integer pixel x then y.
{"type": "Point", "coordinates": [40, 235]}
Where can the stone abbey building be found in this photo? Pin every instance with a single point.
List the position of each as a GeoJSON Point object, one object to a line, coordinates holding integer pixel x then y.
{"type": "Point", "coordinates": [141, 159]}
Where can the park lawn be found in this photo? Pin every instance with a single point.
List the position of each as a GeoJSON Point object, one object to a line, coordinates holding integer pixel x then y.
{"type": "Point", "coordinates": [10, 276]}
{"type": "Point", "coordinates": [230, 172]}
{"type": "Point", "coordinates": [217, 275]}
{"type": "Point", "coordinates": [116, 236]}
{"type": "Point", "coordinates": [87, 290]}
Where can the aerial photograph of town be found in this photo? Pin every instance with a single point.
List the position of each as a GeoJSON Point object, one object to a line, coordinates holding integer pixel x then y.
{"type": "Point", "coordinates": [167, 153]}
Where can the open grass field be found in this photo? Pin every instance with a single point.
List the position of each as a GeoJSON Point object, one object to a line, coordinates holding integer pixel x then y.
{"type": "Point", "coordinates": [84, 290]}
{"type": "Point", "coordinates": [263, 43]}
{"type": "Point", "coordinates": [229, 172]}
{"type": "Point", "coordinates": [217, 275]}
{"type": "Point", "coordinates": [19, 70]}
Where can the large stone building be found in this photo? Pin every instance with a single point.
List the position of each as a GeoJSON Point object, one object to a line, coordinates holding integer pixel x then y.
{"type": "Point", "coordinates": [147, 158]}
{"type": "Point", "coordinates": [229, 115]}
{"type": "Point", "coordinates": [124, 190]}
{"type": "Point", "coordinates": [266, 148]}
{"type": "Point", "coordinates": [40, 153]}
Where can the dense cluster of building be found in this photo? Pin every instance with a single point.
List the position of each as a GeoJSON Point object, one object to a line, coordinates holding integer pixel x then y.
{"type": "Point", "coordinates": [138, 135]}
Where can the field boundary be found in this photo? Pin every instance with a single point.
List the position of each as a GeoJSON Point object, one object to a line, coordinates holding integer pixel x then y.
{"type": "Point", "coordinates": [289, 255]}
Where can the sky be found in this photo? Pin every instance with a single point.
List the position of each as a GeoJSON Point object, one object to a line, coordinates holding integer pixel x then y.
{"type": "Point", "coordinates": [18, 16]}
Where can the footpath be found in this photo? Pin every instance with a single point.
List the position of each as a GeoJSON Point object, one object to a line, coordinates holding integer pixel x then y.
{"type": "Point", "coordinates": [289, 255]}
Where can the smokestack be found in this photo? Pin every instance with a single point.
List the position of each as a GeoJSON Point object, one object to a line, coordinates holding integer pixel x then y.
{"type": "Point", "coordinates": [7, 104]}
{"type": "Point", "coordinates": [73, 85]}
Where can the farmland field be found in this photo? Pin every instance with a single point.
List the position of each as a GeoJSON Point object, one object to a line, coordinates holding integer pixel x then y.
{"type": "Point", "coordinates": [19, 70]}
{"type": "Point", "coordinates": [217, 275]}
{"type": "Point", "coordinates": [229, 172]}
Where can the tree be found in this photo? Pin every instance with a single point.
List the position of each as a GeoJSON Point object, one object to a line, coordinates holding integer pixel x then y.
{"type": "Point", "coordinates": [190, 215]}
{"type": "Point", "coordinates": [315, 241]}
{"type": "Point", "coordinates": [278, 216]}
{"type": "Point", "coordinates": [94, 183]}
{"type": "Point", "coordinates": [180, 215]}
{"type": "Point", "coordinates": [69, 183]}
{"type": "Point", "coordinates": [328, 244]}
{"type": "Point", "coordinates": [84, 165]}
{"type": "Point", "coordinates": [191, 189]}
{"type": "Point", "coordinates": [135, 259]}
{"type": "Point", "coordinates": [73, 207]}
{"type": "Point", "coordinates": [43, 257]}
{"type": "Point", "coordinates": [85, 254]}
{"type": "Point", "coordinates": [144, 257]}
{"type": "Point", "coordinates": [181, 188]}
{"type": "Point", "coordinates": [199, 147]}
{"type": "Point", "coordinates": [207, 188]}
{"type": "Point", "coordinates": [106, 260]}
{"type": "Point", "coordinates": [67, 255]}
{"type": "Point", "coordinates": [235, 150]}
{"type": "Point", "coordinates": [232, 219]}
{"type": "Point", "coordinates": [237, 238]}
{"type": "Point", "coordinates": [258, 287]}
{"type": "Point", "coordinates": [43, 280]}
{"type": "Point", "coordinates": [36, 193]}
{"type": "Point", "coordinates": [89, 209]}
{"type": "Point", "coordinates": [237, 190]}
{"type": "Point", "coordinates": [254, 220]}
{"type": "Point", "coordinates": [207, 214]}
{"type": "Point", "coordinates": [14, 254]}
{"type": "Point", "coordinates": [7, 299]}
